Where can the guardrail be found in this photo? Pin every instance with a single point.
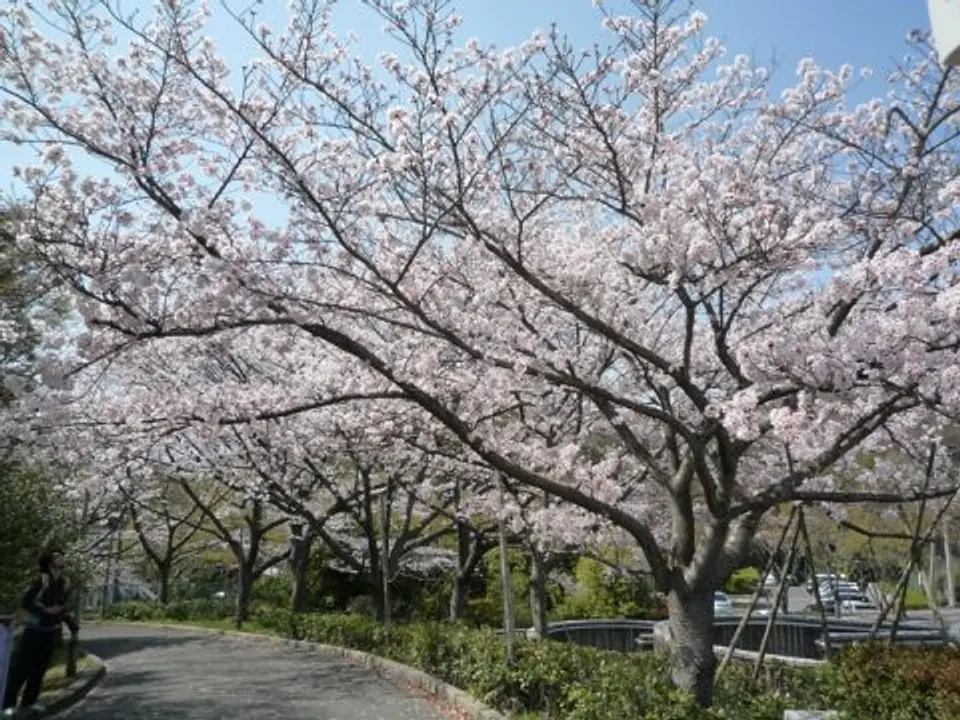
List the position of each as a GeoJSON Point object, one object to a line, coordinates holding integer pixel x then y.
{"type": "Point", "coordinates": [619, 635]}
{"type": "Point", "coordinates": [793, 636]}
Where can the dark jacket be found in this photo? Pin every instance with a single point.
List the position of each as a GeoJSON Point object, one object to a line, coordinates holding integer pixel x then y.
{"type": "Point", "coordinates": [46, 592]}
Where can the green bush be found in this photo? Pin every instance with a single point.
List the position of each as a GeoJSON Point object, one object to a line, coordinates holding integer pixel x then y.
{"type": "Point", "coordinates": [916, 600]}
{"type": "Point", "coordinates": [134, 611]}
{"type": "Point", "coordinates": [273, 590]}
{"type": "Point", "coordinates": [485, 611]}
{"type": "Point", "coordinates": [603, 593]}
{"type": "Point", "coordinates": [896, 683]}
{"type": "Point", "coordinates": [552, 680]}
{"type": "Point", "coordinates": [743, 582]}
{"type": "Point", "coordinates": [179, 611]}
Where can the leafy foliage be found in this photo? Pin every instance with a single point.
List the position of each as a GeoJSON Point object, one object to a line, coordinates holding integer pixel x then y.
{"type": "Point", "coordinates": [180, 610]}
{"type": "Point", "coordinates": [897, 683]}
{"type": "Point", "coordinates": [604, 592]}
{"type": "Point", "coordinates": [33, 515]}
{"type": "Point", "coordinates": [27, 301]}
{"type": "Point", "coordinates": [743, 581]}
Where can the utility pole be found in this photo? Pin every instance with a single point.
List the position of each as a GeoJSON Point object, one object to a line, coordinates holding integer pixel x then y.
{"type": "Point", "coordinates": [932, 576]}
{"type": "Point", "coordinates": [113, 558]}
{"type": "Point", "coordinates": [385, 560]}
{"type": "Point", "coordinates": [948, 565]}
{"type": "Point", "coordinates": [506, 585]}
{"type": "Point", "coordinates": [105, 595]}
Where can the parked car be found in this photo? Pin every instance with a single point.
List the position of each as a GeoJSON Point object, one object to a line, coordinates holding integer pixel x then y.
{"type": "Point", "coordinates": [858, 602]}
{"type": "Point", "coordinates": [841, 590]}
{"type": "Point", "coordinates": [762, 608]}
{"type": "Point", "coordinates": [847, 594]}
{"type": "Point", "coordinates": [722, 604]}
{"type": "Point", "coordinates": [821, 579]}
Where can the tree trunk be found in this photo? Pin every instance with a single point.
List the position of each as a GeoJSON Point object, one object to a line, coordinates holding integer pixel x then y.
{"type": "Point", "coordinates": [538, 592]}
{"type": "Point", "coordinates": [244, 594]}
{"type": "Point", "coordinates": [692, 661]}
{"type": "Point", "coordinates": [164, 573]}
{"type": "Point", "coordinates": [299, 563]}
{"type": "Point", "coordinates": [458, 597]}
{"type": "Point", "coordinates": [374, 583]}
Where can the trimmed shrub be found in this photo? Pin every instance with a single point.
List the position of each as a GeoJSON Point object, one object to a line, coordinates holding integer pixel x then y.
{"type": "Point", "coordinates": [549, 679]}
{"type": "Point", "coordinates": [180, 610]}
{"type": "Point", "coordinates": [743, 582]}
{"type": "Point", "coordinates": [896, 683]}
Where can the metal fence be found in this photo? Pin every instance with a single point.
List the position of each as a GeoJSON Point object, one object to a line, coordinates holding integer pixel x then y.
{"type": "Point", "coordinates": [792, 636]}
{"type": "Point", "coordinates": [619, 635]}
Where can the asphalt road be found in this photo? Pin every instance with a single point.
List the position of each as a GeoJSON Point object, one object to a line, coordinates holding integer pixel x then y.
{"type": "Point", "coordinates": [153, 673]}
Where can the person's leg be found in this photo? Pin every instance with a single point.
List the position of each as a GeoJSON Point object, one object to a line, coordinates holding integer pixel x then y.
{"type": "Point", "coordinates": [40, 660]}
{"type": "Point", "coordinates": [17, 671]}
{"type": "Point", "coordinates": [14, 684]}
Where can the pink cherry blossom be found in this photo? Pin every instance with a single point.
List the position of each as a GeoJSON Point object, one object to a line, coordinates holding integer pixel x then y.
{"type": "Point", "coordinates": [636, 281]}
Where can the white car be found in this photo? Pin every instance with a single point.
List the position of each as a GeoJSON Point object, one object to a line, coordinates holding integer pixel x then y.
{"type": "Point", "coordinates": [722, 604]}
{"type": "Point", "coordinates": [857, 602]}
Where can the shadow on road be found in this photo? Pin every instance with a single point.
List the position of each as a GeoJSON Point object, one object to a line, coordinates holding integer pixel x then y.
{"type": "Point", "coordinates": [108, 648]}
{"type": "Point", "coordinates": [113, 706]}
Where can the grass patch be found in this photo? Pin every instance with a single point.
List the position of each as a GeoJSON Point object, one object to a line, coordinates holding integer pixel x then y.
{"type": "Point", "coordinates": [226, 625]}
{"type": "Point", "coordinates": [56, 679]}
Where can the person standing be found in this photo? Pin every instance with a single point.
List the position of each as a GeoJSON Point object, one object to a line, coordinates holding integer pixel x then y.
{"type": "Point", "coordinates": [46, 604]}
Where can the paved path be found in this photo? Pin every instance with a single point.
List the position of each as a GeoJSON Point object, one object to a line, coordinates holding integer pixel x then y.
{"type": "Point", "coordinates": [154, 673]}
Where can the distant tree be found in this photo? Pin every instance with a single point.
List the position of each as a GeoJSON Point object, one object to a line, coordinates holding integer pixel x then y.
{"type": "Point", "coordinates": [32, 511]}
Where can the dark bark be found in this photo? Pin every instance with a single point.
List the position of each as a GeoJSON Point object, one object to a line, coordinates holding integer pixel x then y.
{"type": "Point", "coordinates": [692, 662]}
{"type": "Point", "coordinates": [472, 546]}
{"type": "Point", "coordinates": [458, 597]}
{"type": "Point", "coordinates": [244, 593]}
{"type": "Point", "coordinates": [164, 571]}
{"type": "Point", "coordinates": [299, 563]}
{"type": "Point", "coordinates": [374, 582]}
{"type": "Point", "coordinates": [250, 565]}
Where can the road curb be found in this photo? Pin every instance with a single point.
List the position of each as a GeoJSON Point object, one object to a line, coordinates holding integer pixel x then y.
{"type": "Point", "coordinates": [78, 689]}
{"type": "Point", "coordinates": [404, 675]}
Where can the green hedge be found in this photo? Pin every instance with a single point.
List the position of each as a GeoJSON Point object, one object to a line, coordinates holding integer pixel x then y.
{"type": "Point", "coordinates": [178, 611]}
{"type": "Point", "coordinates": [553, 679]}
{"type": "Point", "coordinates": [559, 681]}
{"type": "Point", "coordinates": [896, 683]}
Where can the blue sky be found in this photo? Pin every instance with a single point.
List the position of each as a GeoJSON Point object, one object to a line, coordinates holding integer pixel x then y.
{"type": "Point", "coordinates": [860, 32]}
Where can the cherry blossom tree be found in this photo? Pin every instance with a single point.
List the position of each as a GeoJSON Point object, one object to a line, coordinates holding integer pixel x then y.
{"type": "Point", "coordinates": [736, 291]}
{"type": "Point", "coordinates": [167, 526]}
